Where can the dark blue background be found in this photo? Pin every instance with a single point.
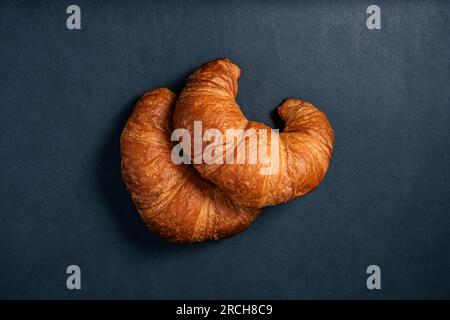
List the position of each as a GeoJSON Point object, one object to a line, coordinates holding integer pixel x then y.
{"type": "Point", "coordinates": [65, 96]}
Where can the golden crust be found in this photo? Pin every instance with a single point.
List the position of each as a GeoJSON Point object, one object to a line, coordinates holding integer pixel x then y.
{"type": "Point", "coordinates": [173, 200]}
{"type": "Point", "coordinates": [305, 145]}
{"type": "Point", "coordinates": [188, 203]}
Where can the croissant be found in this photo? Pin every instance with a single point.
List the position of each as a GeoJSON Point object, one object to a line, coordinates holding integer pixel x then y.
{"type": "Point", "coordinates": [212, 200]}
{"type": "Point", "coordinates": [173, 200]}
{"type": "Point", "coordinates": [304, 147]}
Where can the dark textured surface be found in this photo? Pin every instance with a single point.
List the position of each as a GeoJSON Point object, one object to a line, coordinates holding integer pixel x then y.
{"type": "Point", "coordinates": [65, 96]}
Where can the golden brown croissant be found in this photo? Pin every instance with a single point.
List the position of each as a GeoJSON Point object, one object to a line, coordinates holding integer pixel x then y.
{"type": "Point", "coordinates": [304, 148]}
{"type": "Point", "coordinates": [173, 200]}
{"type": "Point", "coordinates": [186, 203]}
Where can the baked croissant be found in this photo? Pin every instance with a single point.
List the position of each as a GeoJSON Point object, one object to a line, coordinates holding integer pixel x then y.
{"type": "Point", "coordinates": [188, 203]}
{"type": "Point", "coordinates": [173, 200]}
{"type": "Point", "coordinates": [304, 147]}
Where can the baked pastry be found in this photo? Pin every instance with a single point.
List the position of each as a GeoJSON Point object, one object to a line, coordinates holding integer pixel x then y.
{"type": "Point", "coordinates": [215, 199]}
{"type": "Point", "coordinates": [304, 148]}
{"type": "Point", "coordinates": [173, 200]}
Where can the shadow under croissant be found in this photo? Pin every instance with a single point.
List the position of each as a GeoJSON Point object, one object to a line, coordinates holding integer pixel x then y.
{"type": "Point", "coordinates": [277, 122]}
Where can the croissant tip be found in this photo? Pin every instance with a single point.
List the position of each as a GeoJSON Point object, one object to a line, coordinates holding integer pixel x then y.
{"type": "Point", "coordinates": [157, 91]}
{"type": "Point", "coordinates": [293, 101]}
{"type": "Point", "coordinates": [223, 59]}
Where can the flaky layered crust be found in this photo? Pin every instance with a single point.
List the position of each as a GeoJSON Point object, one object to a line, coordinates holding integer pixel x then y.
{"type": "Point", "coordinates": [305, 146]}
{"type": "Point", "coordinates": [173, 200]}
{"type": "Point", "coordinates": [203, 201]}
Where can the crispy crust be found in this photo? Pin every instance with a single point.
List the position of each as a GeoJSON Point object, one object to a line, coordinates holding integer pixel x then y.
{"type": "Point", "coordinates": [189, 203]}
{"type": "Point", "coordinates": [173, 200]}
{"type": "Point", "coordinates": [305, 145]}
